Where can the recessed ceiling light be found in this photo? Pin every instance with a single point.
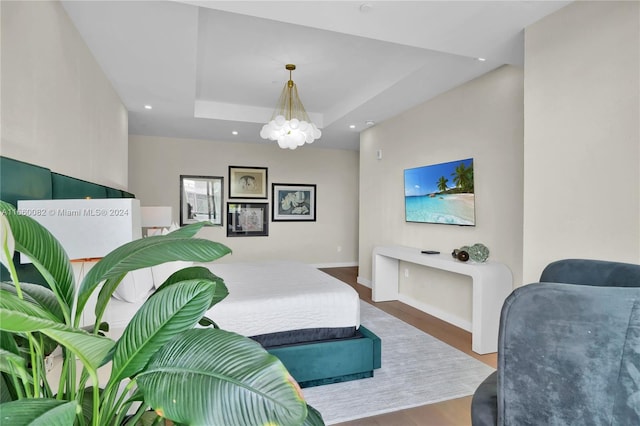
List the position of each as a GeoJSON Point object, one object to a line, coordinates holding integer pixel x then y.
{"type": "Point", "coordinates": [365, 7]}
{"type": "Point", "coordinates": [352, 126]}
{"type": "Point", "coordinates": [235, 132]}
{"type": "Point", "coordinates": [148, 107]}
{"type": "Point", "coordinates": [481, 59]}
{"type": "Point", "coordinates": [370, 122]}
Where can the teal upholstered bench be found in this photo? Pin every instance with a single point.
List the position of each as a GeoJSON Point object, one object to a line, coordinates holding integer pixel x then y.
{"type": "Point", "coordinates": [333, 361]}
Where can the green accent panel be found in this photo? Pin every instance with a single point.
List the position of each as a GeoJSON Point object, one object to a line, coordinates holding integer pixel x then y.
{"type": "Point", "coordinates": [126, 194]}
{"type": "Point", "coordinates": [333, 361]}
{"type": "Point", "coordinates": [67, 187]}
{"type": "Point", "coordinates": [114, 193]}
{"type": "Point", "coordinates": [23, 181]}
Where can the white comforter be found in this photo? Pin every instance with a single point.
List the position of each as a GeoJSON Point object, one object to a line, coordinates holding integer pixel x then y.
{"type": "Point", "coordinates": [269, 297]}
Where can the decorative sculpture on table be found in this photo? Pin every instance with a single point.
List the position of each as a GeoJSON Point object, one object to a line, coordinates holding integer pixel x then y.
{"type": "Point", "coordinates": [477, 253]}
{"type": "Point", "coordinates": [461, 254]}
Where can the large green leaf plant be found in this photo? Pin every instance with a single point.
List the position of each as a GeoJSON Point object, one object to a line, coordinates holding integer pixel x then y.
{"type": "Point", "coordinates": [163, 369]}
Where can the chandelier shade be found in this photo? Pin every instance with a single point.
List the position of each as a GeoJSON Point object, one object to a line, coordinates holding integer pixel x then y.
{"type": "Point", "coordinates": [290, 124]}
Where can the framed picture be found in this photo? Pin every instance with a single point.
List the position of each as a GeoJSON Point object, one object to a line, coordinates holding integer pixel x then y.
{"type": "Point", "coordinates": [201, 199]}
{"type": "Point", "coordinates": [293, 202]}
{"type": "Point", "coordinates": [247, 182]}
{"type": "Point", "coordinates": [247, 219]}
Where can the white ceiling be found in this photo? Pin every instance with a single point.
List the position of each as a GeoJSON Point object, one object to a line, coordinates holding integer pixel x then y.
{"type": "Point", "coordinates": [211, 67]}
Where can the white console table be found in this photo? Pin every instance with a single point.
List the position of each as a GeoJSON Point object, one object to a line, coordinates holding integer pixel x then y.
{"type": "Point", "coordinates": [492, 283]}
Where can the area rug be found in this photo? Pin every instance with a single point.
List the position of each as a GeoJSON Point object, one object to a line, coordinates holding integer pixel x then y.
{"type": "Point", "coordinates": [417, 369]}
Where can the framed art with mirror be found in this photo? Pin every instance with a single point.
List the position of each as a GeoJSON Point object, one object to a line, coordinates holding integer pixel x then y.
{"type": "Point", "coordinates": [201, 199]}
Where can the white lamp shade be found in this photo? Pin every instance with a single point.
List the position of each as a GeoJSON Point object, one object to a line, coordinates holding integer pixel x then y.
{"type": "Point", "coordinates": [87, 228]}
{"type": "Point", "coordinates": [156, 216]}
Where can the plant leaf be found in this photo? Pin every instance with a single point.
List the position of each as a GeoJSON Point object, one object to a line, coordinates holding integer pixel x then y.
{"type": "Point", "coordinates": [150, 418]}
{"type": "Point", "coordinates": [314, 418]}
{"type": "Point", "coordinates": [172, 311]}
{"type": "Point", "coordinates": [86, 405]}
{"type": "Point", "coordinates": [196, 272]}
{"type": "Point", "coordinates": [143, 253]}
{"type": "Point", "coordinates": [215, 377]}
{"type": "Point", "coordinates": [39, 297]}
{"type": "Point", "coordinates": [7, 390]}
{"type": "Point", "coordinates": [112, 283]}
{"type": "Point", "coordinates": [42, 296]}
{"type": "Point", "coordinates": [207, 322]}
{"type": "Point", "coordinates": [15, 365]}
{"type": "Point", "coordinates": [104, 295]}
{"type": "Point", "coordinates": [100, 329]}
{"type": "Point", "coordinates": [38, 412]}
{"type": "Point", "coordinates": [46, 253]}
{"type": "Point", "coordinates": [7, 242]}
{"type": "Point", "coordinates": [10, 300]}
{"type": "Point", "coordinates": [8, 343]}
{"type": "Point", "coordinates": [91, 349]}
{"type": "Point", "coordinates": [190, 230]}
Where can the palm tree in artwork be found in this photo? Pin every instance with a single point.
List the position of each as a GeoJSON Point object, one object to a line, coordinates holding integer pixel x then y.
{"type": "Point", "coordinates": [442, 183]}
{"type": "Point", "coordinates": [463, 177]}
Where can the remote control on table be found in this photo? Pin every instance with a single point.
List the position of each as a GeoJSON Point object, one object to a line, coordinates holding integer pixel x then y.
{"type": "Point", "coordinates": [430, 252]}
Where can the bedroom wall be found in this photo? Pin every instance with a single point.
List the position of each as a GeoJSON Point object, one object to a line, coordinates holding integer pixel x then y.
{"type": "Point", "coordinates": [482, 119]}
{"type": "Point", "coordinates": [155, 166]}
{"type": "Point", "coordinates": [58, 108]}
{"type": "Point", "coordinates": [582, 135]}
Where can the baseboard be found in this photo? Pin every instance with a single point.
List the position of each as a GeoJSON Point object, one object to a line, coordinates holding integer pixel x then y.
{"type": "Point", "coordinates": [436, 312]}
{"type": "Point", "coordinates": [335, 265]}
{"type": "Point", "coordinates": [364, 281]}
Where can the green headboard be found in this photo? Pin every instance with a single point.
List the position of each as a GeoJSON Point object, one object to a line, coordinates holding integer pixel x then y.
{"type": "Point", "coordinates": [67, 187]}
{"type": "Point", "coordinates": [118, 193]}
{"type": "Point", "coordinates": [24, 181]}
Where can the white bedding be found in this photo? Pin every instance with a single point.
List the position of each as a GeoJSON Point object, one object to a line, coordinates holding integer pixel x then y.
{"type": "Point", "coordinates": [270, 297]}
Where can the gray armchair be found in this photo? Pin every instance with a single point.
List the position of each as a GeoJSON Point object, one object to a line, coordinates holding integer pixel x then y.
{"type": "Point", "coordinates": [567, 354]}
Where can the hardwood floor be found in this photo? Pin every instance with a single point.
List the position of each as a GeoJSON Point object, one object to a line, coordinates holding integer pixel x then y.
{"type": "Point", "coordinates": [456, 412]}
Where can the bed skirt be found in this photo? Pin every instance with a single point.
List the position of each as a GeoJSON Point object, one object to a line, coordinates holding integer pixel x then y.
{"type": "Point", "coordinates": [337, 360]}
{"type": "Point", "coordinates": [307, 335]}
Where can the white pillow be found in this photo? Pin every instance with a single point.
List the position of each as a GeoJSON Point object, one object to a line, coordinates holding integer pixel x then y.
{"type": "Point", "coordinates": [174, 226]}
{"type": "Point", "coordinates": [135, 286]}
{"type": "Point", "coordinates": [163, 271]}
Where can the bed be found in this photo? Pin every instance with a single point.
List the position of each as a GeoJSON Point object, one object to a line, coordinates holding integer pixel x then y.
{"type": "Point", "coordinates": [316, 335]}
{"type": "Point", "coordinates": [305, 317]}
{"type": "Point", "coordinates": [284, 302]}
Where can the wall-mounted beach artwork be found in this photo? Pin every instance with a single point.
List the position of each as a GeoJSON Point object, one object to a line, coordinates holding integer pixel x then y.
{"type": "Point", "coordinates": [440, 193]}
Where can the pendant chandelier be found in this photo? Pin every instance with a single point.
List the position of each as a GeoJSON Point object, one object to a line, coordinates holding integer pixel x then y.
{"type": "Point", "coordinates": [290, 125]}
